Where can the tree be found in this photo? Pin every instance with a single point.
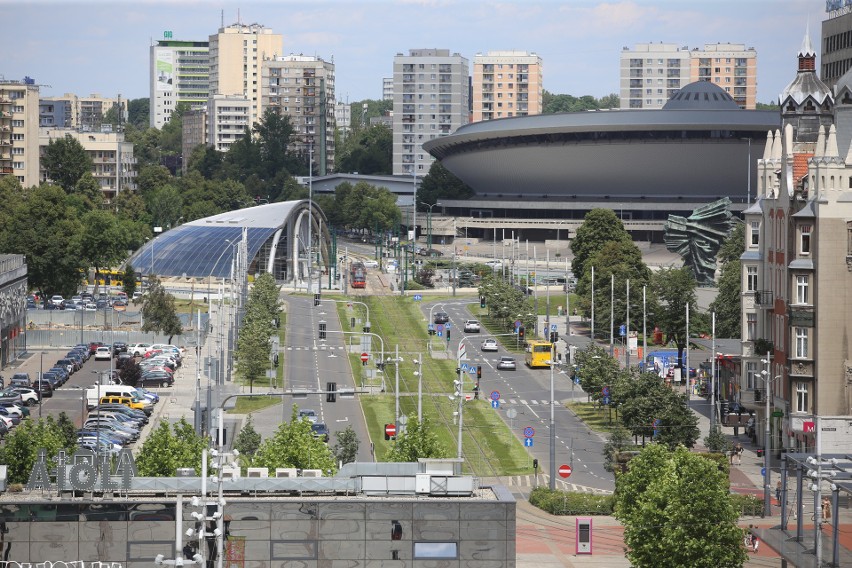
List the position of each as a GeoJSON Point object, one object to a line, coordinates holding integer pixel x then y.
{"type": "Point", "coordinates": [417, 441]}
{"type": "Point", "coordinates": [676, 511]}
{"type": "Point", "coordinates": [273, 134]}
{"type": "Point", "coordinates": [248, 440]}
{"type": "Point", "coordinates": [164, 205]}
{"type": "Point", "coordinates": [138, 112]}
{"type": "Point", "coordinates": [734, 246]}
{"type": "Point", "coordinates": [130, 372]}
{"type": "Point", "coordinates": [158, 310]}
{"type": "Point", "coordinates": [104, 243]}
{"type": "Point", "coordinates": [169, 447]}
{"type": "Point", "coordinates": [65, 161]}
{"type": "Point", "coordinates": [367, 151]}
{"type": "Point", "coordinates": [294, 445]}
{"type": "Point", "coordinates": [728, 302]}
{"type": "Point", "coordinates": [20, 449]}
{"type": "Point", "coordinates": [619, 440]}
{"type": "Point", "coordinates": [44, 229]}
{"type": "Point", "coordinates": [89, 192]}
{"type": "Point", "coordinates": [595, 368]}
{"type": "Point", "coordinates": [253, 352]}
{"type": "Point", "coordinates": [346, 448]}
{"type": "Point", "coordinates": [67, 430]}
{"type": "Point", "coordinates": [128, 278]}
{"type": "Point", "coordinates": [650, 405]}
{"type": "Point", "coordinates": [716, 441]}
{"type": "Point", "coordinates": [674, 289]}
{"type": "Point", "coordinates": [439, 184]}
{"type": "Point", "coordinates": [600, 226]}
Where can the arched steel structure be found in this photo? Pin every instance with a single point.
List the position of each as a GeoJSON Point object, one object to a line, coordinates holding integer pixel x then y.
{"type": "Point", "coordinates": [276, 241]}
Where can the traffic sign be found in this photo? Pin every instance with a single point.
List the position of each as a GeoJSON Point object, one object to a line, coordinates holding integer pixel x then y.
{"type": "Point", "coordinates": [763, 471]}
{"type": "Point", "coordinates": [448, 325]}
{"type": "Point", "coordinates": [417, 297]}
{"type": "Point", "coordinates": [495, 395]}
{"type": "Point", "coordinates": [565, 470]}
{"type": "Point", "coordinates": [495, 404]}
{"type": "Point", "coordinates": [464, 367]}
{"type": "Point", "coordinates": [605, 391]}
{"type": "Point", "coordinates": [528, 442]}
{"type": "Point", "coordinates": [529, 432]}
{"type": "Point", "coordinates": [390, 429]}
{"type": "Point", "coordinates": [440, 334]}
{"type": "Point", "coordinates": [622, 330]}
{"type": "Point", "coordinates": [440, 328]}
{"type": "Point", "coordinates": [365, 357]}
{"type": "Point", "coordinates": [553, 327]}
{"type": "Point", "coordinates": [517, 323]}
{"type": "Point", "coordinates": [606, 400]}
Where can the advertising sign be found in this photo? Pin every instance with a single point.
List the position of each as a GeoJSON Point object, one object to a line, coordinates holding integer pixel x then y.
{"type": "Point", "coordinates": [164, 67]}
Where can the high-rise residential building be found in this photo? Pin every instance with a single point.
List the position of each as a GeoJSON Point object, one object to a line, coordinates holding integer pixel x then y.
{"type": "Point", "coordinates": [387, 88]}
{"type": "Point", "coordinates": [651, 73]}
{"type": "Point", "coordinates": [797, 269]}
{"type": "Point", "coordinates": [19, 106]}
{"type": "Point", "coordinates": [113, 162]}
{"type": "Point", "coordinates": [193, 132]}
{"type": "Point", "coordinates": [836, 53]}
{"type": "Point", "coordinates": [84, 113]}
{"type": "Point", "coordinates": [343, 117]}
{"type": "Point", "coordinates": [228, 116]}
{"type": "Point", "coordinates": [506, 84]}
{"type": "Point", "coordinates": [431, 98]}
{"type": "Point", "coordinates": [180, 73]}
{"type": "Point", "coordinates": [302, 87]}
{"type": "Point", "coordinates": [236, 55]}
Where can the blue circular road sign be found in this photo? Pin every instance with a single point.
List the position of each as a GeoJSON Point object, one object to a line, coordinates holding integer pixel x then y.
{"type": "Point", "coordinates": [529, 432]}
{"type": "Point", "coordinates": [495, 395]}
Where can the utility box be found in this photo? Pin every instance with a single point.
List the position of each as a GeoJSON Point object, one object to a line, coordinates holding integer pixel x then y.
{"type": "Point", "coordinates": [584, 535]}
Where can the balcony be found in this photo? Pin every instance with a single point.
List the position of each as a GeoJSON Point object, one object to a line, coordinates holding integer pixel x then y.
{"type": "Point", "coordinates": [764, 299]}
{"type": "Point", "coordinates": [757, 395]}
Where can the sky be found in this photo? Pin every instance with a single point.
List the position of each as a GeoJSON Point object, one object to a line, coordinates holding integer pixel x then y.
{"type": "Point", "coordinates": [103, 47]}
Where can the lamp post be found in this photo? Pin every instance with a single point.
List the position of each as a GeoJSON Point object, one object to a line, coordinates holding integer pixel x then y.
{"type": "Point", "coordinates": [157, 231]}
{"type": "Point", "coordinates": [767, 503]}
{"type": "Point", "coordinates": [310, 215]}
{"type": "Point", "coordinates": [748, 168]}
{"type": "Point", "coordinates": [553, 424]}
{"type": "Point", "coordinates": [40, 376]}
{"type": "Point", "coordinates": [429, 226]}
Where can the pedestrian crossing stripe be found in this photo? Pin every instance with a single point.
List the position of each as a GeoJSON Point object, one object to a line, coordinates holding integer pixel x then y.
{"type": "Point", "coordinates": [544, 480]}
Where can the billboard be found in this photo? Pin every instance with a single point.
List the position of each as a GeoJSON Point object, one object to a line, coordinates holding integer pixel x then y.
{"type": "Point", "coordinates": [164, 68]}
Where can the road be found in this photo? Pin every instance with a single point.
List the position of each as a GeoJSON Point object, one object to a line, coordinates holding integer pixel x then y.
{"type": "Point", "coordinates": [527, 391]}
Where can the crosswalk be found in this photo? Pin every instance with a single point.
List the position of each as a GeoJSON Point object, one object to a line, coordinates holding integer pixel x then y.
{"type": "Point", "coordinates": [543, 480]}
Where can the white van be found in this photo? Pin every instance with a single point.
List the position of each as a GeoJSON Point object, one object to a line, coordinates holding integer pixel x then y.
{"type": "Point", "coordinates": [95, 393]}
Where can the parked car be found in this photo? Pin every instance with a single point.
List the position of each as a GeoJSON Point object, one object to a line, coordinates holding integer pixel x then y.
{"type": "Point", "coordinates": [119, 347]}
{"type": "Point", "coordinates": [43, 388]}
{"type": "Point", "coordinates": [489, 345]}
{"type": "Point", "coordinates": [18, 407]}
{"type": "Point", "coordinates": [28, 395]}
{"type": "Point", "coordinates": [154, 381]}
{"type": "Point", "coordinates": [507, 364]}
{"type": "Point", "coordinates": [20, 380]}
{"type": "Point", "coordinates": [57, 300]}
{"type": "Point", "coordinates": [441, 317]}
{"type": "Point", "coordinates": [138, 349]}
{"type": "Point", "coordinates": [93, 346]}
{"type": "Point", "coordinates": [370, 263]}
{"type": "Point", "coordinates": [103, 354]}
{"type": "Point", "coordinates": [471, 326]}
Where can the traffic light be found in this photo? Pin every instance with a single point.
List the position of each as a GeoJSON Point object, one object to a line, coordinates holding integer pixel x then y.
{"type": "Point", "coordinates": [478, 372]}
{"type": "Point", "coordinates": [316, 299]}
{"type": "Point", "coordinates": [322, 330]}
{"type": "Point", "coordinates": [367, 328]}
{"type": "Point", "coordinates": [448, 336]}
{"type": "Point", "coordinates": [482, 301]}
{"type": "Point", "coordinates": [275, 360]}
{"type": "Point", "coordinates": [331, 395]}
{"type": "Point", "coordinates": [521, 332]}
{"type": "Point", "coordinates": [431, 331]}
{"type": "Point", "coordinates": [535, 463]}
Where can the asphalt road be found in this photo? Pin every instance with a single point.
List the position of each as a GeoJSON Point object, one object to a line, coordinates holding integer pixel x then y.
{"type": "Point", "coordinates": [527, 391]}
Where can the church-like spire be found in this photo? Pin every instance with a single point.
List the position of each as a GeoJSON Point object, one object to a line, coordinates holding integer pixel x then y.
{"type": "Point", "coordinates": [807, 55]}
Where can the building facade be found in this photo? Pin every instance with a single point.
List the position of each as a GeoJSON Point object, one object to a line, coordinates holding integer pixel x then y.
{"type": "Point", "coordinates": [797, 267]}
{"type": "Point", "coordinates": [236, 55]}
{"type": "Point", "coordinates": [13, 307]}
{"type": "Point", "coordinates": [651, 73]}
{"type": "Point", "coordinates": [387, 88]}
{"type": "Point", "coordinates": [506, 84]}
{"type": "Point", "coordinates": [430, 99]}
{"type": "Point", "coordinates": [113, 164]}
{"type": "Point", "coordinates": [302, 87]}
{"type": "Point", "coordinates": [19, 153]}
{"type": "Point", "coordinates": [836, 45]}
{"type": "Point", "coordinates": [194, 132]}
{"type": "Point", "coordinates": [227, 120]}
{"type": "Point", "coordinates": [83, 113]}
{"type": "Point", "coordinates": [179, 73]}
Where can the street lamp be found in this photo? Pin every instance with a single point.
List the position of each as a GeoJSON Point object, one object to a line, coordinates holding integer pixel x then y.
{"type": "Point", "coordinates": [767, 503]}
{"type": "Point", "coordinates": [40, 377]}
{"type": "Point", "coordinates": [553, 364]}
{"type": "Point", "coordinates": [429, 226]}
{"type": "Point", "coordinates": [748, 190]}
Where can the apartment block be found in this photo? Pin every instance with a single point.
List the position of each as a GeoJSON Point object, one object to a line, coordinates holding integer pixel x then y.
{"type": "Point", "coordinates": [113, 163]}
{"type": "Point", "coordinates": [194, 132]}
{"type": "Point", "coordinates": [506, 84]}
{"type": "Point", "coordinates": [302, 87]}
{"type": "Point", "coordinates": [179, 73]}
{"type": "Point", "coordinates": [19, 106]}
{"type": "Point", "coordinates": [431, 98]}
{"type": "Point", "coordinates": [836, 45]}
{"type": "Point", "coordinates": [343, 117]}
{"type": "Point", "coordinates": [227, 120]}
{"type": "Point", "coordinates": [797, 268]}
{"type": "Point", "coordinates": [74, 111]}
{"type": "Point", "coordinates": [651, 73]}
{"type": "Point", "coordinates": [387, 88]}
{"type": "Point", "coordinates": [236, 56]}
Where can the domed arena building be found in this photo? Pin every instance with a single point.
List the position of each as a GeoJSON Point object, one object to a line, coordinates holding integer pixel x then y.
{"type": "Point", "coordinates": [644, 164]}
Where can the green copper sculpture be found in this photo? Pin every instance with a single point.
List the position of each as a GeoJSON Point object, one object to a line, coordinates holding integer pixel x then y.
{"type": "Point", "coordinates": [697, 238]}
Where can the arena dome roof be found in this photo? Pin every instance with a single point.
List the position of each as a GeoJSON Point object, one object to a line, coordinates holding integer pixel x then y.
{"type": "Point", "coordinates": [702, 95]}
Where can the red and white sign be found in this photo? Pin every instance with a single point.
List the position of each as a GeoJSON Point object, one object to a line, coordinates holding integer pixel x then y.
{"type": "Point", "coordinates": [390, 429]}
{"type": "Point", "coordinates": [365, 357]}
{"type": "Point", "coordinates": [808, 426]}
{"type": "Point", "coordinates": [565, 470]}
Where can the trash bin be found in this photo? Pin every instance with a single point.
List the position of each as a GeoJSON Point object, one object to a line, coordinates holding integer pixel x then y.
{"type": "Point", "coordinates": [760, 452]}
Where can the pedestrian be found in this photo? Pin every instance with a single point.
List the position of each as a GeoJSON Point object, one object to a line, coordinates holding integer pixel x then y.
{"type": "Point", "coordinates": [738, 449]}
{"type": "Point", "coordinates": [747, 541]}
{"type": "Point", "coordinates": [778, 492]}
{"type": "Point", "coordinates": [733, 453]}
{"type": "Point", "coordinates": [826, 508]}
{"type": "Point", "coordinates": [755, 543]}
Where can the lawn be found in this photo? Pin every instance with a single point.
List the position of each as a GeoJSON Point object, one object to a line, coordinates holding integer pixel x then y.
{"type": "Point", "coordinates": [595, 416]}
{"type": "Point", "coordinates": [247, 404]}
{"type": "Point", "coordinates": [490, 449]}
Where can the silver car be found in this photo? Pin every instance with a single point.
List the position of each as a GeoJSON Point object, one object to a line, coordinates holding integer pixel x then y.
{"type": "Point", "coordinates": [507, 364]}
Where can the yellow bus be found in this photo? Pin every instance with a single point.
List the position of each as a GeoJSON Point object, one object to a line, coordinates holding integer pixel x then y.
{"type": "Point", "coordinates": [539, 354]}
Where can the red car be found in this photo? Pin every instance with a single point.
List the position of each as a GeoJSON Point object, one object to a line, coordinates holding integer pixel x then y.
{"type": "Point", "coordinates": [93, 346]}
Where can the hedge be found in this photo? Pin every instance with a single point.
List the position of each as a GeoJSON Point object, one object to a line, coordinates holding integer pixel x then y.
{"type": "Point", "coordinates": [568, 503]}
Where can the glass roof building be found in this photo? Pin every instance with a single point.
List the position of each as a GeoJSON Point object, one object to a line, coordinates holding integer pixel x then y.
{"type": "Point", "coordinates": [274, 238]}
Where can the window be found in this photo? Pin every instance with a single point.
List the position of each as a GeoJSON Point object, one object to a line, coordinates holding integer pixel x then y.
{"type": "Point", "coordinates": [751, 279]}
{"type": "Point", "coordinates": [751, 375]}
{"type": "Point", "coordinates": [436, 550]}
{"type": "Point", "coordinates": [801, 334]}
{"type": "Point", "coordinates": [802, 397]}
{"type": "Point", "coordinates": [801, 289]}
{"type": "Point", "coordinates": [751, 326]}
{"type": "Point", "coordinates": [755, 233]}
{"type": "Point", "coordinates": [805, 242]}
